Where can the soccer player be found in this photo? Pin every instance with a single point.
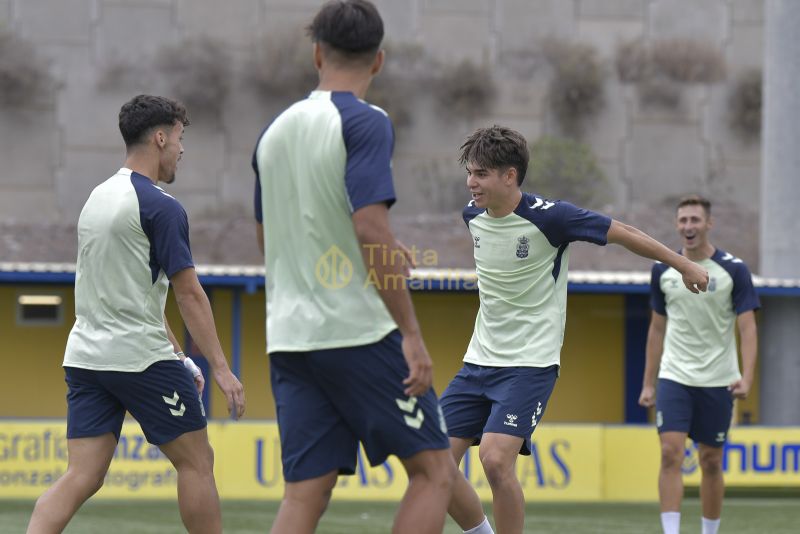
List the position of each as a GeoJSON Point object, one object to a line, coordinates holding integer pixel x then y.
{"type": "Point", "coordinates": [691, 346]}
{"type": "Point", "coordinates": [347, 359]}
{"type": "Point", "coordinates": [521, 245]}
{"type": "Point", "coordinates": [133, 240]}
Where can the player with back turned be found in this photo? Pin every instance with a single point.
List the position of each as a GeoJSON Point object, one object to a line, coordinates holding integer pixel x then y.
{"type": "Point", "coordinates": [347, 359]}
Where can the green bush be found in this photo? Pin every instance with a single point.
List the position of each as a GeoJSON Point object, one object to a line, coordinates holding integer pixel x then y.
{"type": "Point", "coordinates": [566, 169]}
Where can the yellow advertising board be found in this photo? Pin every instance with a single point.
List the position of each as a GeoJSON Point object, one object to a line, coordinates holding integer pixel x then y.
{"type": "Point", "coordinates": [564, 465]}
{"type": "Point", "coordinates": [568, 463]}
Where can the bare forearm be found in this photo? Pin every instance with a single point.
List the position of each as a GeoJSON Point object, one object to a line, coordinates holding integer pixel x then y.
{"type": "Point", "coordinates": [196, 312]}
{"type": "Point", "coordinates": [748, 339]}
{"type": "Point", "coordinates": [643, 245]}
{"type": "Point", "coordinates": [652, 360]}
{"type": "Point", "coordinates": [389, 278]}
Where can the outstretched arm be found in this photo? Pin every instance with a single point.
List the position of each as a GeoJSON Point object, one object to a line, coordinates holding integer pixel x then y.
{"type": "Point", "coordinates": [695, 278]}
{"type": "Point", "coordinates": [655, 347]}
{"type": "Point", "coordinates": [196, 312]}
{"type": "Point", "coordinates": [748, 341]}
{"type": "Point", "coordinates": [371, 224]}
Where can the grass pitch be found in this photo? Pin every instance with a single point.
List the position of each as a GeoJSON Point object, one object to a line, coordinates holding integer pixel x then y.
{"type": "Point", "coordinates": [740, 516]}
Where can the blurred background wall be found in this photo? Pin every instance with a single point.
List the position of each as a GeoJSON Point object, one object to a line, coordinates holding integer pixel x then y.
{"type": "Point", "coordinates": [628, 105]}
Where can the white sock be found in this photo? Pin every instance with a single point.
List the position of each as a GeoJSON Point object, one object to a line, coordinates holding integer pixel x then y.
{"type": "Point", "coordinates": [483, 528]}
{"type": "Point", "coordinates": [710, 526]}
{"type": "Point", "coordinates": [671, 522]}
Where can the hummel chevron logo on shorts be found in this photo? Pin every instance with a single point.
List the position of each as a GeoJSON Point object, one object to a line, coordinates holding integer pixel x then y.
{"type": "Point", "coordinates": [408, 407]}
{"type": "Point", "coordinates": [175, 401]}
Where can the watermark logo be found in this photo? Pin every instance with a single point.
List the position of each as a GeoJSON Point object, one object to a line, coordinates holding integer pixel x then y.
{"type": "Point", "coordinates": [334, 270]}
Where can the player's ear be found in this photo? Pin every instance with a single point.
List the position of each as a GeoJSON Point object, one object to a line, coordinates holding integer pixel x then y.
{"type": "Point", "coordinates": [317, 53]}
{"type": "Point", "coordinates": [377, 64]}
{"type": "Point", "coordinates": [511, 176]}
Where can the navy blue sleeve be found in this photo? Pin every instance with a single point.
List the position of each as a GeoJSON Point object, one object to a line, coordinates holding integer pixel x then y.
{"type": "Point", "coordinates": [257, 195]}
{"type": "Point", "coordinates": [744, 294]}
{"type": "Point", "coordinates": [470, 212]}
{"type": "Point", "coordinates": [166, 226]}
{"type": "Point", "coordinates": [168, 231]}
{"type": "Point", "coordinates": [259, 214]}
{"type": "Point", "coordinates": [567, 223]}
{"type": "Point", "coordinates": [657, 301]}
{"type": "Point", "coordinates": [369, 141]}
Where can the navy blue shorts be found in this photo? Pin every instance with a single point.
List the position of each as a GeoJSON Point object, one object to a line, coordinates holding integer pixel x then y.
{"type": "Point", "coordinates": [504, 400]}
{"type": "Point", "coordinates": [702, 413]}
{"type": "Point", "coordinates": [329, 400]}
{"type": "Point", "coordinates": [162, 398]}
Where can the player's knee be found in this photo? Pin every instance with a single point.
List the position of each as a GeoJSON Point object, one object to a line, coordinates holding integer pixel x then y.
{"type": "Point", "coordinates": [496, 467]}
{"type": "Point", "coordinates": [671, 456]}
{"type": "Point", "coordinates": [88, 483]}
{"type": "Point", "coordinates": [711, 464]}
{"type": "Point", "coordinates": [438, 469]}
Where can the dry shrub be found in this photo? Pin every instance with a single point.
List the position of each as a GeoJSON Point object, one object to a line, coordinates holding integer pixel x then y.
{"type": "Point", "coordinates": [24, 76]}
{"type": "Point", "coordinates": [689, 60]}
{"type": "Point", "coordinates": [465, 90]}
{"type": "Point", "coordinates": [281, 66]}
{"type": "Point", "coordinates": [632, 61]}
{"type": "Point", "coordinates": [198, 72]}
{"type": "Point", "coordinates": [404, 76]}
{"type": "Point", "coordinates": [745, 105]}
{"type": "Point", "coordinates": [576, 91]}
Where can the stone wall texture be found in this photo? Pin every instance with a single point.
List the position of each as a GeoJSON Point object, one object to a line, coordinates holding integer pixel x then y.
{"type": "Point", "coordinates": [102, 52]}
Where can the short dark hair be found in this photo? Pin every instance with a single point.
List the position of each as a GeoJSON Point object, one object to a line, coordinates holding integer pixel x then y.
{"type": "Point", "coordinates": [695, 200]}
{"type": "Point", "coordinates": [144, 112]}
{"type": "Point", "coordinates": [497, 147]}
{"type": "Point", "coordinates": [351, 28]}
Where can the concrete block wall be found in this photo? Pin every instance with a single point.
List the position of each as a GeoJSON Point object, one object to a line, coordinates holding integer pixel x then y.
{"type": "Point", "coordinates": [101, 53]}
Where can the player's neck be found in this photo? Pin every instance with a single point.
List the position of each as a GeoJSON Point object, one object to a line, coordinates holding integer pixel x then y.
{"type": "Point", "coordinates": [507, 206]}
{"type": "Point", "coordinates": [700, 253]}
{"type": "Point", "coordinates": [143, 164]}
{"type": "Point", "coordinates": [356, 82]}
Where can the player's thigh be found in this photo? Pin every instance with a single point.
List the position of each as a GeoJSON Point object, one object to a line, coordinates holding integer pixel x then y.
{"type": "Point", "coordinates": [91, 456]}
{"type": "Point", "coordinates": [465, 405]}
{"type": "Point", "coordinates": [674, 407]}
{"type": "Point", "coordinates": [365, 384]}
{"type": "Point", "coordinates": [162, 398]}
{"type": "Point", "coordinates": [315, 439]}
{"type": "Point", "coordinates": [190, 450]}
{"type": "Point", "coordinates": [712, 414]}
{"type": "Point", "coordinates": [92, 410]}
{"type": "Point", "coordinates": [459, 446]}
{"type": "Point", "coordinates": [434, 464]}
{"type": "Point", "coordinates": [500, 451]}
{"type": "Point", "coordinates": [519, 400]}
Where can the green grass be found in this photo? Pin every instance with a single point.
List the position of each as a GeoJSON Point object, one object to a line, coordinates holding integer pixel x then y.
{"type": "Point", "coordinates": [740, 516]}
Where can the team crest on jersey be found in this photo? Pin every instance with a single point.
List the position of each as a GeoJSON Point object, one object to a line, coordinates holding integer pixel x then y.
{"type": "Point", "coordinates": [712, 284]}
{"type": "Point", "coordinates": [522, 247]}
{"type": "Point", "coordinates": [476, 238]}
